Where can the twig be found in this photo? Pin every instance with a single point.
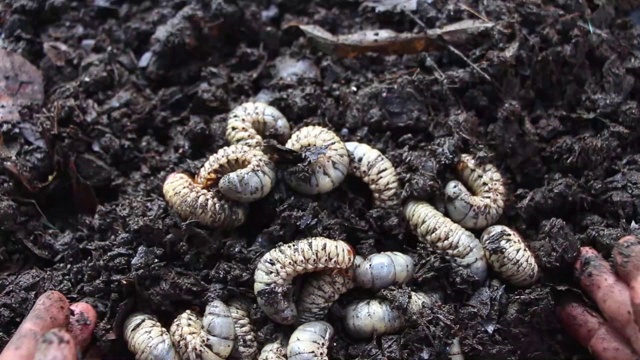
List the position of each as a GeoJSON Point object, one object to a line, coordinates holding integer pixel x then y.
{"type": "Point", "coordinates": [474, 12]}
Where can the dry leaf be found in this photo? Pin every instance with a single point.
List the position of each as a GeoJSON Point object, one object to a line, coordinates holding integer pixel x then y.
{"type": "Point", "coordinates": [392, 5]}
{"type": "Point", "coordinates": [20, 84]}
{"type": "Point", "coordinates": [389, 42]}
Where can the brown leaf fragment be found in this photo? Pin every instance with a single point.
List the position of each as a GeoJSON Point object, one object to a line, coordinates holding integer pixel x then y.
{"type": "Point", "coordinates": [389, 42]}
{"type": "Point", "coordinates": [20, 84]}
{"type": "Point", "coordinates": [84, 197]}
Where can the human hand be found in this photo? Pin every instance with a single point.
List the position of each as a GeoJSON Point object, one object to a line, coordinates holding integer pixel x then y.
{"type": "Point", "coordinates": [617, 294]}
{"type": "Point", "coordinates": [53, 330]}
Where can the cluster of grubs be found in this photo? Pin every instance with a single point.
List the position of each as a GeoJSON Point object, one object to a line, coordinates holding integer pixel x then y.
{"type": "Point", "coordinates": [243, 172]}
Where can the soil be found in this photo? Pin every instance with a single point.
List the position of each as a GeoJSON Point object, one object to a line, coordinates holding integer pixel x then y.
{"type": "Point", "coordinates": [135, 90]}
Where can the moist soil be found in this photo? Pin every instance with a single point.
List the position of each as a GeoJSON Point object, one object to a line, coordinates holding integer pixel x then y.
{"type": "Point", "coordinates": [135, 90]}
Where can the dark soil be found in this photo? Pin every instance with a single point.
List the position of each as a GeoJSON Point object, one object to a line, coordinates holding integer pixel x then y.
{"type": "Point", "coordinates": [142, 89]}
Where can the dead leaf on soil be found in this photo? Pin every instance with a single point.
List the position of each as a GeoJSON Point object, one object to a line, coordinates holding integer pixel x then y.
{"type": "Point", "coordinates": [392, 5]}
{"type": "Point", "coordinates": [20, 84]}
{"type": "Point", "coordinates": [389, 42]}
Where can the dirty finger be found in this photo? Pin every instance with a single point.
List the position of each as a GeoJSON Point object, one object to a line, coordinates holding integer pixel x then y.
{"type": "Point", "coordinates": [56, 344]}
{"type": "Point", "coordinates": [82, 323]}
{"type": "Point", "coordinates": [626, 259]}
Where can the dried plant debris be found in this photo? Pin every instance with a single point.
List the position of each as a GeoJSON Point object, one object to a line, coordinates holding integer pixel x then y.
{"type": "Point", "coordinates": [389, 42]}
{"type": "Point", "coordinates": [20, 84]}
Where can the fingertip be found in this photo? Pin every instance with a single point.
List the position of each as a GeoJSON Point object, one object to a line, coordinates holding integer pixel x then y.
{"type": "Point", "coordinates": [56, 344]}
{"type": "Point", "coordinates": [82, 323]}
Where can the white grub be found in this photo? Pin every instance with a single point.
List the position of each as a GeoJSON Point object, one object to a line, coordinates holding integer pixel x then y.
{"type": "Point", "coordinates": [483, 205]}
{"type": "Point", "coordinates": [365, 319]}
{"type": "Point", "coordinates": [376, 171]}
{"type": "Point", "coordinates": [278, 267]}
{"type": "Point", "coordinates": [446, 237]}
{"type": "Point", "coordinates": [509, 256]}
{"type": "Point", "coordinates": [218, 322]}
{"type": "Point", "coordinates": [326, 161]}
{"type": "Point", "coordinates": [241, 173]}
{"type": "Point", "coordinates": [310, 341]}
{"type": "Point", "coordinates": [190, 339]}
{"type": "Point", "coordinates": [320, 291]}
{"type": "Point", "coordinates": [246, 345]}
{"type": "Point", "coordinates": [455, 350]}
{"type": "Point", "coordinates": [147, 338]}
{"type": "Point", "coordinates": [275, 350]}
{"type": "Point", "coordinates": [191, 202]}
{"type": "Point", "coordinates": [381, 270]}
{"type": "Point", "coordinates": [248, 123]}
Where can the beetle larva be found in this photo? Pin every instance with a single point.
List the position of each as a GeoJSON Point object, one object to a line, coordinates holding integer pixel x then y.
{"type": "Point", "coordinates": [509, 256]}
{"type": "Point", "coordinates": [385, 269]}
{"type": "Point", "coordinates": [376, 171]}
{"type": "Point", "coordinates": [246, 346]}
{"type": "Point", "coordinates": [147, 339]}
{"type": "Point", "coordinates": [326, 161]}
{"type": "Point", "coordinates": [320, 291]}
{"type": "Point", "coordinates": [241, 173]}
{"type": "Point", "coordinates": [191, 202]}
{"type": "Point", "coordinates": [275, 350]}
{"type": "Point", "coordinates": [367, 318]}
{"type": "Point", "coordinates": [278, 267]}
{"type": "Point", "coordinates": [249, 122]}
{"type": "Point", "coordinates": [483, 205]}
{"type": "Point", "coordinates": [218, 322]}
{"type": "Point", "coordinates": [310, 341]}
{"type": "Point", "coordinates": [190, 339]}
{"type": "Point", "coordinates": [446, 237]}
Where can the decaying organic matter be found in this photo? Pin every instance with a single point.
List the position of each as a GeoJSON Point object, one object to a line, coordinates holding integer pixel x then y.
{"type": "Point", "coordinates": [446, 237]}
{"type": "Point", "coordinates": [277, 268]}
{"type": "Point", "coordinates": [482, 205]}
{"type": "Point", "coordinates": [192, 202]}
{"type": "Point", "coordinates": [249, 122]}
{"type": "Point", "coordinates": [376, 171]}
{"type": "Point", "coordinates": [326, 161]}
{"type": "Point", "coordinates": [509, 255]}
{"type": "Point", "coordinates": [241, 173]}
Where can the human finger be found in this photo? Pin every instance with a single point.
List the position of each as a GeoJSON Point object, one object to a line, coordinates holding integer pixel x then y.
{"type": "Point", "coordinates": [82, 323]}
{"type": "Point", "coordinates": [626, 259]}
{"type": "Point", "coordinates": [56, 344]}
{"type": "Point", "coordinates": [51, 310]}
{"type": "Point", "coordinates": [609, 292]}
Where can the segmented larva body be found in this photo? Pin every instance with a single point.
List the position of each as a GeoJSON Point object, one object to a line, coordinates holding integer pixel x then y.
{"type": "Point", "coordinates": [241, 173]}
{"type": "Point", "coordinates": [320, 291]}
{"type": "Point", "coordinates": [278, 267]}
{"type": "Point", "coordinates": [246, 345]}
{"type": "Point", "coordinates": [365, 319]}
{"type": "Point", "coordinates": [218, 322]}
{"type": "Point", "coordinates": [446, 237]}
{"type": "Point", "coordinates": [191, 202]}
{"type": "Point", "coordinates": [379, 271]}
{"type": "Point", "coordinates": [509, 256]}
{"type": "Point", "coordinates": [190, 339]}
{"type": "Point", "coordinates": [483, 205]}
{"type": "Point", "coordinates": [310, 341]}
{"type": "Point", "coordinates": [376, 171]}
{"type": "Point", "coordinates": [276, 350]}
{"type": "Point", "coordinates": [249, 122]}
{"type": "Point", "coordinates": [327, 161]}
{"type": "Point", "coordinates": [147, 339]}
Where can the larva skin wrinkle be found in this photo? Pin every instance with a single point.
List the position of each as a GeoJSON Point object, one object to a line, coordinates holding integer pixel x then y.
{"type": "Point", "coordinates": [326, 165]}
{"type": "Point", "coordinates": [246, 346]}
{"type": "Point", "coordinates": [509, 256]}
{"type": "Point", "coordinates": [278, 267]}
{"type": "Point", "coordinates": [248, 123]}
{"type": "Point", "coordinates": [446, 237]}
{"type": "Point", "coordinates": [310, 341]}
{"type": "Point", "coordinates": [320, 291]}
{"type": "Point", "coordinates": [376, 171]}
{"type": "Point", "coordinates": [276, 350]}
{"type": "Point", "coordinates": [191, 202]}
{"type": "Point", "coordinates": [241, 173]}
{"type": "Point", "coordinates": [190, 339]}
{"type": "Point", "coordinates": [385, 269]}
{"type": "Point", "coordinates": [147, 339]}
{"type": "Point", "coordinates": [483, 205]}
{"type": "Point", "coordinates": [218, 322]}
